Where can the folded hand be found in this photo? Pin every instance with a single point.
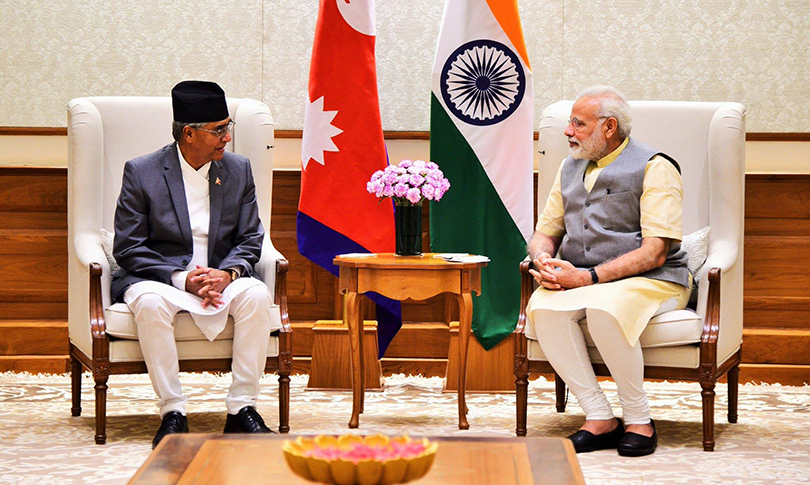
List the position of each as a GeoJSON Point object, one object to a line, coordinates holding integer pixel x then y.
{"type": "Point", "coordinates": [208, 284]}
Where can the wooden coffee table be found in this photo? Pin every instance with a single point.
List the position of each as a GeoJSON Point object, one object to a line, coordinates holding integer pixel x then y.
{"type": "Point", "coordinates": [257, 459]}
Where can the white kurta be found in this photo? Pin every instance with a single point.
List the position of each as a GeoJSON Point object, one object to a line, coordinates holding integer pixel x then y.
{"type": "Point", "coordinates": [631, 301]}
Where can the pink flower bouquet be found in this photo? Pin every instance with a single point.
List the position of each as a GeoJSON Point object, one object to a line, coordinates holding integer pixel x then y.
{"type": "Point", "coordinates": [409, 183]}
{"type": "Point", "coordinates": [365, 460]}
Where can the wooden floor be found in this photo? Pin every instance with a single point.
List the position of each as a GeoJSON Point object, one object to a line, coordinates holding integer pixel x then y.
{"type": "Point", "coordinates": [33, 293]}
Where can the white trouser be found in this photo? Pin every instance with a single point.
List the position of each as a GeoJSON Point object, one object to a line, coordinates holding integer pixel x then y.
{"type": "Point", "coordinates": [154, 316]}
{"type": "Point", "coordinates": [562, 341]}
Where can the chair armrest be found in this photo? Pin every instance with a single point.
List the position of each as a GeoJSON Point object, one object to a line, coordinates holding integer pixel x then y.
{"type": "Point", "coordinates": [711, 320]}
{"type": "Point", "coordinates": [526, 288]}
{"type": "Point", "coordinates": [98, 325]}
{"type": "Point", "coordinates": [280, 293]}
{"type": "Point", "coordinates": [711, 328]}
{"type": "Point", "coordinates": [722, 258]}
{"type": "Point", "coordinates": [720, 302]}
{"type": "Point", "coordinates": [90, 267]}
{"type": "Point", "coordinates": [89, 250]}
{"type": "Point", "coordinates": [521, 364]}
{"type": "Point", "coordinates": [285, 356]}
{"type": "Point", "coordinates": [722, 255]}
{"type": "Point", "coordinates": [85, 249]}
{"type": "Point", "coordinates": [266, 267]}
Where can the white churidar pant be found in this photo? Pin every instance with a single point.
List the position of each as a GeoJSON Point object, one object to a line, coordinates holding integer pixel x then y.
{"type": "Point", "coordinates": [564, 345]}
{"type": "Point", "coordinates": [154, 316]}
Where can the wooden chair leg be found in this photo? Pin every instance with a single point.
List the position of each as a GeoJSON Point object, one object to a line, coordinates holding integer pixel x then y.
{"type": "Point", "coordinates": [101, 406]}
{"type": "Point", "coordinates": [284, 403]}
{"type": "Point", "coordinates": [559, 386]}
{"type": "Point", "coordinates": [708, 416]}
{"type": "Point", "coordinates": [75, 386]}
{"type": "Point", "coordinates": [522, 403]}
{"type": "Point", "coordinates": [733, 386]}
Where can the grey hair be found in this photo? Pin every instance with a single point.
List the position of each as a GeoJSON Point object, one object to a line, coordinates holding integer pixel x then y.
{"type": "Point", "coordinates": [612, 104]}
{"type": "Point", "coordinates": [177, 128]}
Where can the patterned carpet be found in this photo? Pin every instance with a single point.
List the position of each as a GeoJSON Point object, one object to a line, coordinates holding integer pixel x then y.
{"type": "Point", "coordinates": [41, 443]}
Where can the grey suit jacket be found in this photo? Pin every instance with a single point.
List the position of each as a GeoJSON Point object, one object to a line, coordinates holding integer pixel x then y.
{"type": "Point", "coordinates": [152, 227]}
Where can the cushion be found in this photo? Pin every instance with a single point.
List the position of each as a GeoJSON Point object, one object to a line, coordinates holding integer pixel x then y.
{"type": "Point", "coordinates": [670, 340]}
{"type": "Point", "coordinates": [696, 246]}
{"type": "Point", "coordinates": [107, 243]}
{"type": "Point", "coordinates": [130, 350]}
{"type": "Point", "coordinates": [683, 356]}
{"type": "Point", "coordinates": [669, 329]}
{"type": "Point", "coordinates": [121, 324]}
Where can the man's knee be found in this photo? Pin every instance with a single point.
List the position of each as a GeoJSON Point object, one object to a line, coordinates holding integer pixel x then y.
{"type": "Point", "coordinates": [603, 325]}
{"type": "Point", "coordinates": [256, 298]}
{"type": "Point", "coordinates": [551, 318]}
{"type": "Point", "coordinates": [259, 294]}
{"type": "Point", "coordinates": [151, 307]}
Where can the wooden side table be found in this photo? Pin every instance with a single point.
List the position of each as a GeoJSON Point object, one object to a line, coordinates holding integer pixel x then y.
{"type": "Point", "coordinates": [400, 278]}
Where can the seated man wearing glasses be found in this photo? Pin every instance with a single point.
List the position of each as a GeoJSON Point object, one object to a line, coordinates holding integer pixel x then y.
{"type": "Point", "coordinates": [614, 215]}
{"type": "Point", "coordinates": [187, 237]}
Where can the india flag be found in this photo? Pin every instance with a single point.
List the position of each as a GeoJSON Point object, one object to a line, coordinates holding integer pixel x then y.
{"type": "Point", "coordinates": [481, 135]}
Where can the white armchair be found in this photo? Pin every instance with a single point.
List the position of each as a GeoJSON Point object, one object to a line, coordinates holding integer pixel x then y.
{"type": "Point", "coordinates": [708, 141]}
{"type": "Point", "coordinates": [103, 134]}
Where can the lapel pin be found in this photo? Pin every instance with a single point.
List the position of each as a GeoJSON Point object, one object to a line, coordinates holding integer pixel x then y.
{"type": "Point", "coordinates": [217, 181]}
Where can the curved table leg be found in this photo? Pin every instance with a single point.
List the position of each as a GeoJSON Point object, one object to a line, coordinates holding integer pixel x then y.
{"type": "Point", "coordinates": [355, 339]}
{"type": "Point", "coordinates": [464, 330]}
{"type": "Point", "coordinates": [361, 326]}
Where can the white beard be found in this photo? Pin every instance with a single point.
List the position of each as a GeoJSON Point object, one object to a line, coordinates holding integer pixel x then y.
{"type": "Point", "coordinates": [590, 148]}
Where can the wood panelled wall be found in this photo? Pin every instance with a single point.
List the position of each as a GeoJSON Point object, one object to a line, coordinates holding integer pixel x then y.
{"type": "Point", "coordinates": [33, 290]}
{"type": "Point", "coordinates": [776, 317]}
{"type": "Point", "coordinates": [33, 265]}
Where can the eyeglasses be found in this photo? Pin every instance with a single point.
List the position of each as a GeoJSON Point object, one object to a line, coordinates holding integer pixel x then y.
{"type": "Point", "coordinates": [220, 132]}
{"type": "Point", "coordinates": [578, 124]}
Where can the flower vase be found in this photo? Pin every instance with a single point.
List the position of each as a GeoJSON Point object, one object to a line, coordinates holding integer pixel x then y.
{"type": "Point", "coordinates": [408, 226]}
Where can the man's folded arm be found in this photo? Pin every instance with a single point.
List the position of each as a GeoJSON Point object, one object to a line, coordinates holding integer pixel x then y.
{"type": "Point", "coordinates": [652, 254]}
{"type": "Point", "coordinates": [543, 244]}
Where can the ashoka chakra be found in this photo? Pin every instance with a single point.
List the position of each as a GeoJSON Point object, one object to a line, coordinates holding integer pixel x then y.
{"type": "Point", "coordinates": [482, 82]}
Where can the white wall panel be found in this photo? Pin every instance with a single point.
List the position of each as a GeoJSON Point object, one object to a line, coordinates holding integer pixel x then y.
{"type": "Point", "coordinates": [756, 52]}
{"type": "Point", "coordinates": [52, 51]}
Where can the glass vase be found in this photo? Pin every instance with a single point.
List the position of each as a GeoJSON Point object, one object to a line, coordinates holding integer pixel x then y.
{"type": "Point", "coordinates": [408, 226]}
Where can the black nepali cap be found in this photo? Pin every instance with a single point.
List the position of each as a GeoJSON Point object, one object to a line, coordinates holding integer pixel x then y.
{"type": "Point", "coordinates": [198, 102]}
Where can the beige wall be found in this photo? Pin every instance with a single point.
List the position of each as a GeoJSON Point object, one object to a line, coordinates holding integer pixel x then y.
{"type": "Point", "coordinates": [755, 52]}
{"type": "Point", "coordinates": [33, 151]}
{"type": "Point", "coordinates": [760, 156]}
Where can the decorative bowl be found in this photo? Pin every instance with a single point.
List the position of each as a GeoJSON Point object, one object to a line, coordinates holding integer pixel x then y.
{"type": "Point", "coordinates": [364, 460]}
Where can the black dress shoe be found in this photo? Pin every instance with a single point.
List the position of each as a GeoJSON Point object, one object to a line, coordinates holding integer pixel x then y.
{"type": "Point", "coordinates": [173, 422]}
{"type": "Point", "coordinates": [634, 444]}
{"type": "Point", "coordinates": [247, 420]}
{"type": "Point", "coordinates": [585, 441]}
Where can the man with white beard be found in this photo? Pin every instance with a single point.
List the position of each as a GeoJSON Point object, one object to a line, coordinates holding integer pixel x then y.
{"type": "Point", "coordinates": [614, 215]}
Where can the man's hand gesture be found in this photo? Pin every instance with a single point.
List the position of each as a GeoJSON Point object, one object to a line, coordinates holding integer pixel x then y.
{"type": "Point", "coordinates": [542, 272]}
{"type": "Point", "coordinates": [208, 284]}
{"type": "Point", "coordinates": [558, 274]}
